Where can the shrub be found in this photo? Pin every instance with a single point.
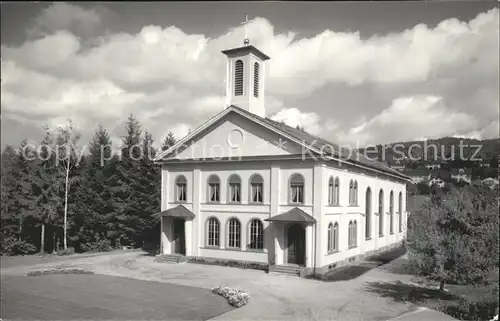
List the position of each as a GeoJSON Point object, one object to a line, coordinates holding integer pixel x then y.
{"type": "Point", "coordinates": [468, 309]}
{"type": "Point", "coordinates": [12, 246]}
{"type": "Point", "coordinates": [103, 245]}
{"type": "Point", "coordinates": [59, 271]}
{"type": "Point", "coordinates": [241, 265]}
{"type": "Point", "coordinates": [68, 251]}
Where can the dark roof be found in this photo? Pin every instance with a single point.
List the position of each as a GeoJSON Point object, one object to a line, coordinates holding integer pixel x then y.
{"type": "Point", "coordinates": [244, 50]}
{"type": "Point", "coordinates": [326, 146]}
{"type": "Point", "coordinates": [178, 211]}
{"type": "Point", "coordinates": [293, 215]}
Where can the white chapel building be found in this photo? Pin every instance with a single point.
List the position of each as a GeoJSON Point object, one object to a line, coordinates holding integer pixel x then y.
{"type": "Point", "coordinates": [243, 187]}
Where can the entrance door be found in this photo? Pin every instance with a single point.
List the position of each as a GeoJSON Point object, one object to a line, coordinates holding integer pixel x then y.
{"type": "Point", "coordinates": [178, 244]}
{"type": "Point", "coordinates": [296, 239]}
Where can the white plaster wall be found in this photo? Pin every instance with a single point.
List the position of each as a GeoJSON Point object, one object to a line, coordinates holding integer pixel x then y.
{"type": "Point", "coordinates": [344, 213]}
{"type": "Point", "coordinates": [274, 251]}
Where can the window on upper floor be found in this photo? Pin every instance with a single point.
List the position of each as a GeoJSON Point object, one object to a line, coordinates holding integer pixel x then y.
{"type": "Point", "coordinates": [296, 189]}
{"type": "Point", "coordinates": [336, 192]}
{"type": "Point", "coordinates": [238, 78]}
{"type": "Point", "coordinates": [355, 193]}
{"type": "Point", "coordinates": [234, 233]}
{"type": "Point", "coordinates": [256, 189]}
{"type": "Point", "coordinates": [331, 190]}
{"type": "Point", "coordinates": [256, 235]}
{"type": "Point", "coordinates": [234, 189]}
{"type": "Point", "coordinates": [214, 189]}
{"type": "Point", "coordinates": [181, 188]}
{"type": "Point", "coordinates": [213, 232]}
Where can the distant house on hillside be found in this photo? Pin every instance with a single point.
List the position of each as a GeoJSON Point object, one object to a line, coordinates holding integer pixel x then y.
{"type": "Point", "coordinates": [398, 165]}
{"type": "Point", "coordinates": [433, 166]}
{"type": "Point", "coordinates": [461, 175]}
{"type": "Point", "coordinates": [490, 182]}
{"type": "Point", "coordinates": [436, 182]}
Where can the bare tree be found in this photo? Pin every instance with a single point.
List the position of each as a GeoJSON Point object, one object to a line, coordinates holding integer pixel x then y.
{"type": "Point", "coordinates": [67, 158]}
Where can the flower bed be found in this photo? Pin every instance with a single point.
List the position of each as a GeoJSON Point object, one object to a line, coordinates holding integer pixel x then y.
{"type": "Point", "coordinates": [236, 298]}
{"type": "Point", "coordinates": [59, 271]}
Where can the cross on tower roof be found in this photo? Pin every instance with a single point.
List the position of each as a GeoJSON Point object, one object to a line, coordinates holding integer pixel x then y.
{"type": "Point", "coordinates": [246, 42]}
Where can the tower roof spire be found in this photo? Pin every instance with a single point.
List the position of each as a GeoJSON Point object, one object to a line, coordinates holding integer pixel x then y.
{"type": "Point", "coordinates": [246, 41]}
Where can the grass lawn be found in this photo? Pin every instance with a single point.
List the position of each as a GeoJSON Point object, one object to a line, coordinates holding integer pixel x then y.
{"type": "Point", "coordinates": [88, 296]}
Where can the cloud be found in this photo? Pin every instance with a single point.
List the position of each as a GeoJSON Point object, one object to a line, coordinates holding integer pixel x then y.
{"type": "Point", "coordinates": [435, 81]}
{"type": "Point", "coordinates": [294, 117]}
{"type": "Point", "coordinates": [66, 16]}
{"type": "Point", "coordinates": [408, 118]}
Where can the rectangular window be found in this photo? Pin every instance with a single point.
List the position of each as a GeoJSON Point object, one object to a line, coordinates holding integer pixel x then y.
{"type": "Point", "coordinates": [234, 192]}
{"type": "Point", "coordinates": [181, 192]}
{"type": "Point", "coordinates": [214, 192]}
{"type": "Point", "coordinates": [257, 193]}
{"type": "Point", "coordinates": [297, 193]}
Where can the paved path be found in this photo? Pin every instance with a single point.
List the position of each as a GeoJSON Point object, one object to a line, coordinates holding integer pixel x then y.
{"type": "Point", "coordinates": [273, 297]}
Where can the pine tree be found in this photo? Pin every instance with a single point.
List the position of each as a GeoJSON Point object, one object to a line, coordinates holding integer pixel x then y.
{"type": "Point", "coordinates": [168, 141]}
{"type": "Point", "coordinates": [125, 180]}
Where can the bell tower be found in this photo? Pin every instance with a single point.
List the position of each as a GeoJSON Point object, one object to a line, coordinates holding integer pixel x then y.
{"type": "Point", "coordinates": [245, 77]}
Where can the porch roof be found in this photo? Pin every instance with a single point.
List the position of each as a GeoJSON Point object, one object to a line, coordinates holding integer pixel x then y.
{"type": "Point", "coordinates": [293, 215]}
{"type": "Point", "coordinates": [178, 211]}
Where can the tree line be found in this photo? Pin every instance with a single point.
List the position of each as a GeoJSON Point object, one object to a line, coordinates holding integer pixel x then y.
{"type": "Point", "coordinates": [58, 196]}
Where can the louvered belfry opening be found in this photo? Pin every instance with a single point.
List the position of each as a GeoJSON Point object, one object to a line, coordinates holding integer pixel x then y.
{"type": "Point", "coordinates": [238, 78]}
{"type": "Point", "coordinates": [256, 79]}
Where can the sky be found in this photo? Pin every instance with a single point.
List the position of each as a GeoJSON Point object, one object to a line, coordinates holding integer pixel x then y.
{"type": "Point", "coordinates": [354, 73]}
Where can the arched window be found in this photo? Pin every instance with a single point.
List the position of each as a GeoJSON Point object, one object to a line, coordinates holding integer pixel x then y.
{"type": "Point", "coordinates": [368, 213]}
{"type": "Point", "coordinates": [234, 233]}
{"type": "Point", "coordinates": [234, 189]}
{"type": "Point", "coordinates": [391, 212]}
{"type": "Point", "coordinates": [256, 189]}
{"type": "Point", "coordinates": [238, 78]}
{"type": "Point", "coordinates": [355, 233]}
{"type": "Point", "coordinates": [351, 192]}
{"type": "Point", "coordinates": [381, 213]}
{"type": "Point", "coordinates": [350, 235]}
{"type": "Point", "coordinates": [400, 212]}
{"type": "Point", "coordinates": [296, 189]}
{"type": "Point", "coordinates": [335, 237]}
{"type": "Point", "coordinates": [256, 79]}
{"type": "Point", "coordinates": [256, 235]}
{"type": "Point", "coordinates": [337, 192]}
{"type": "Point", "coordinates": [181, 188]}
{"type": "Point", "coordinates": [355, 193]}
{"type": "Point", "coordinates": [213, 235]}
{"type": "Point", "coordinates": [214, 189]}
{"type": "Point", "coordinates": [330, 238]}
{"type": "Point", "coordinates": [331, 192]}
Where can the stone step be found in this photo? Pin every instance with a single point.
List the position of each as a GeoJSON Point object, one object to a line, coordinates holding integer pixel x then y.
{"type": "Point", "coordinates": [287, 269]}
